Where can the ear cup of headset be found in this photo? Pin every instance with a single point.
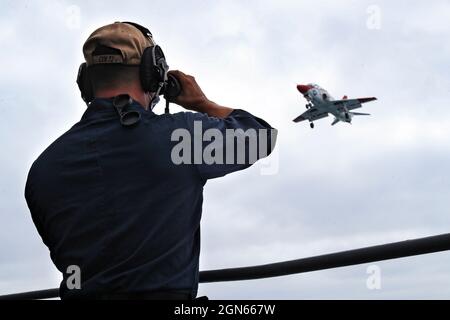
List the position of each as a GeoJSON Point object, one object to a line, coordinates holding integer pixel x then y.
{"type": "Point", "coordinates": [84, 83]}
{"type": "Point", "coordinates": [146, 70]}
{"type": "Point", "coordinates": [153, 69]}
{"type": "Point", "coordinates": [160, 62]}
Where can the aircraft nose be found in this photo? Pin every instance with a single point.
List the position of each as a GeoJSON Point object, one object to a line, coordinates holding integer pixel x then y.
{"type": "Point", "coordinates": [303, 89]}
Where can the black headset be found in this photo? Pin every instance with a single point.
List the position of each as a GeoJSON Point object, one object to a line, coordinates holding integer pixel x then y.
{"type": "Point", "coordinates": [153, 73]}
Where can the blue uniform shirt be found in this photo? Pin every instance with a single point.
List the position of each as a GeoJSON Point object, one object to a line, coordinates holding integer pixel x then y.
{"type": "Point", "coordinates": [110, 200]}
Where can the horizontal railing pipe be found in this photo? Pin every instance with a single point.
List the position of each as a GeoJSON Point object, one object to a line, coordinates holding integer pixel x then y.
{"type": "Point", "coordinates": [389, 251]}
{"type": "Point", "coordinates": [334, 260]}
{"type": "Point", "coordinates": [32, 295]}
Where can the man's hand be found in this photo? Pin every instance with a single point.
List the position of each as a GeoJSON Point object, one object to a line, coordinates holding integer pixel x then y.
{"type": "Point", "coordinates": [193, 98]}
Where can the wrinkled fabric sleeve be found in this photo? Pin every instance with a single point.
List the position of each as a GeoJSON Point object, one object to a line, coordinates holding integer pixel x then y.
{"type": "Point", "coordinates": [223, 146]}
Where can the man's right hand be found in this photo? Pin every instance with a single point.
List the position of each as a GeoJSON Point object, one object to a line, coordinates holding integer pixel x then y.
{"type": "Point", "coordinates": [193, 98]}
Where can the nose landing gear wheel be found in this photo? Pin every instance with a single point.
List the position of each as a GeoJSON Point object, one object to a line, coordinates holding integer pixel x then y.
{"type": "Point", "coordinates": [311, 125]}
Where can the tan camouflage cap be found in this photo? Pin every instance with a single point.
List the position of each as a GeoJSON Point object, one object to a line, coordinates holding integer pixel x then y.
{"type": "Point", "coordinates": [127, 41]}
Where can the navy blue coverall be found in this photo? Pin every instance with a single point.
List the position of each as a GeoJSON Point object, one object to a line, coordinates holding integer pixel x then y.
{"type": "Point", "coordinates": [110, 200]}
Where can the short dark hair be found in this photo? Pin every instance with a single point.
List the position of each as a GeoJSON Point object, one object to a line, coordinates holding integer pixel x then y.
{"type": "Point", "coordinates": [107, 76]}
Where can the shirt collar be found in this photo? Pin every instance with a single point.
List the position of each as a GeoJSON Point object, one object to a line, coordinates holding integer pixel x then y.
{"type": "Point", "coordinates": [103, 107]}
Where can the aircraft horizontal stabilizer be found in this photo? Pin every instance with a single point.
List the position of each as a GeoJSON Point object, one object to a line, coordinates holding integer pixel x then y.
{"type": "Point", "coordinates": [360, 114]}
{"type": "Point", "coordinates": [365, 100]}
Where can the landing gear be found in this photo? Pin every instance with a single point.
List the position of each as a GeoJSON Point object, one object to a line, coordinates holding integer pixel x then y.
{"type": "Point", "coordinates": [347, 117]}
{"type": "Point", "coordinates": [308, 106]}
{"type": "Point", "coordinates": [311, 125]}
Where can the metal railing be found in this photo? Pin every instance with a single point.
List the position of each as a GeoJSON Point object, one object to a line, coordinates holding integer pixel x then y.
{"type": "Point", "coordinates": [389, 251]}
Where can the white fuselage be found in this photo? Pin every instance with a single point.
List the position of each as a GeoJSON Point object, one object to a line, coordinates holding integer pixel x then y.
{"type": "Point", "coordinates": [321, 98]}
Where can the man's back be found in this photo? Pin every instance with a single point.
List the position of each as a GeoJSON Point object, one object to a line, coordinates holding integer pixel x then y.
{"type": "Point", "coordinates": [110, 200]}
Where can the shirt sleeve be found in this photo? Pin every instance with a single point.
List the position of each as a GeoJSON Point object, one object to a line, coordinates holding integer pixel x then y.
{"type": "Point", "coordinates": [33, 207]}
{"type": "Point", "coordinates": [223, 146]}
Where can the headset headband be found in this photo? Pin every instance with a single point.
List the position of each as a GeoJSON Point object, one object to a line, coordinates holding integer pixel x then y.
{"type": "Point", "coordinates": [142, 29]}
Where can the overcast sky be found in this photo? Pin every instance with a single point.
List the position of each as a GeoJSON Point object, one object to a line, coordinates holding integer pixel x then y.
{"type": "Point", "coordinates": [385, 178]}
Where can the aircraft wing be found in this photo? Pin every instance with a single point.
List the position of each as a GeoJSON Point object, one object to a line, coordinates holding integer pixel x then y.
{"type": "Point", "coordinates": [351, 104]}
{"type": "Point", "coordinates": [312, 115]}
